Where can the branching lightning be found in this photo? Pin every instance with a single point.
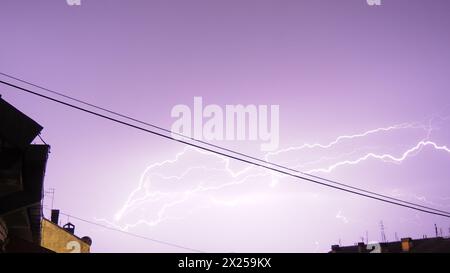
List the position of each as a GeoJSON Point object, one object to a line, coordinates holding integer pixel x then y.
{"type": "Point", "coordinates": [383, 157]}
{"type": "Point", "coordinates": [204, 188]}
{"type": "Point", "coordinates": [344, 137]}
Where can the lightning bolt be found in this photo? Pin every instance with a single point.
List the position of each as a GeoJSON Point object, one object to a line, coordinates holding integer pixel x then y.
{"type": "Point", "coordinates": [144, 193]}
{"type": "Point", "coordinates": [422, 198]}
{"type": "Point", "coordinates": [179, 199]}
{"type": "Point", "coordinates": [383, 157]}
{"type": "Point", "coordinates": [341, 217]}
{"type": "Point", "coordinates": [345, 137]}
{"type": "Point", "coordinates": [149, 196]}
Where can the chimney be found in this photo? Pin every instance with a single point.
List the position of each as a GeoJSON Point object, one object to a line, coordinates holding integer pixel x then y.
{"type": "Point", "coordinates": [69, 227]}
{"type": "Point", "coordinates": [362, 248]}
{"type": "Point", "coordinates": [335, 248]}
{"type": "Point", "coordinates": [407, 244]}
{"type": "Point", "coordinates": [55, 216]}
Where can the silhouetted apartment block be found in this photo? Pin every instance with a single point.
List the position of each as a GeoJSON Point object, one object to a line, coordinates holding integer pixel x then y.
{"type": "Point", "coordinates": [22, 171]}
{"type": "Point", "coordinates": [406, 245]}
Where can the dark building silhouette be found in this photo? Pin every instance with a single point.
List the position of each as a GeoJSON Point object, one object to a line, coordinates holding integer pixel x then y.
{"type": "Point", "coordinates": [406, 245]}
{"type": "Point", "coordinates": [22, 170]}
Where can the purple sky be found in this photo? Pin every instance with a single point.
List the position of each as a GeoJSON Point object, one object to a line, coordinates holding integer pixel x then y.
{"type": "Point", "coordinates": [335, 68]}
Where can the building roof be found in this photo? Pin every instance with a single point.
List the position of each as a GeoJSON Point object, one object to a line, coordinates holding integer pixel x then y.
{"type": "Point", "coordinates": [425, 245]}
{"type": "Point", "coordinates": [15, 127]}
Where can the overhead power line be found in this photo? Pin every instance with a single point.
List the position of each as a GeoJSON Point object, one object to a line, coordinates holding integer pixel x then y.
{"type": "Point", "coordinates": [131, 233]}
{"type": "Point", "coordinates": [377, 197]}
{"type": "Point", "coordinates": [215, 146]}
